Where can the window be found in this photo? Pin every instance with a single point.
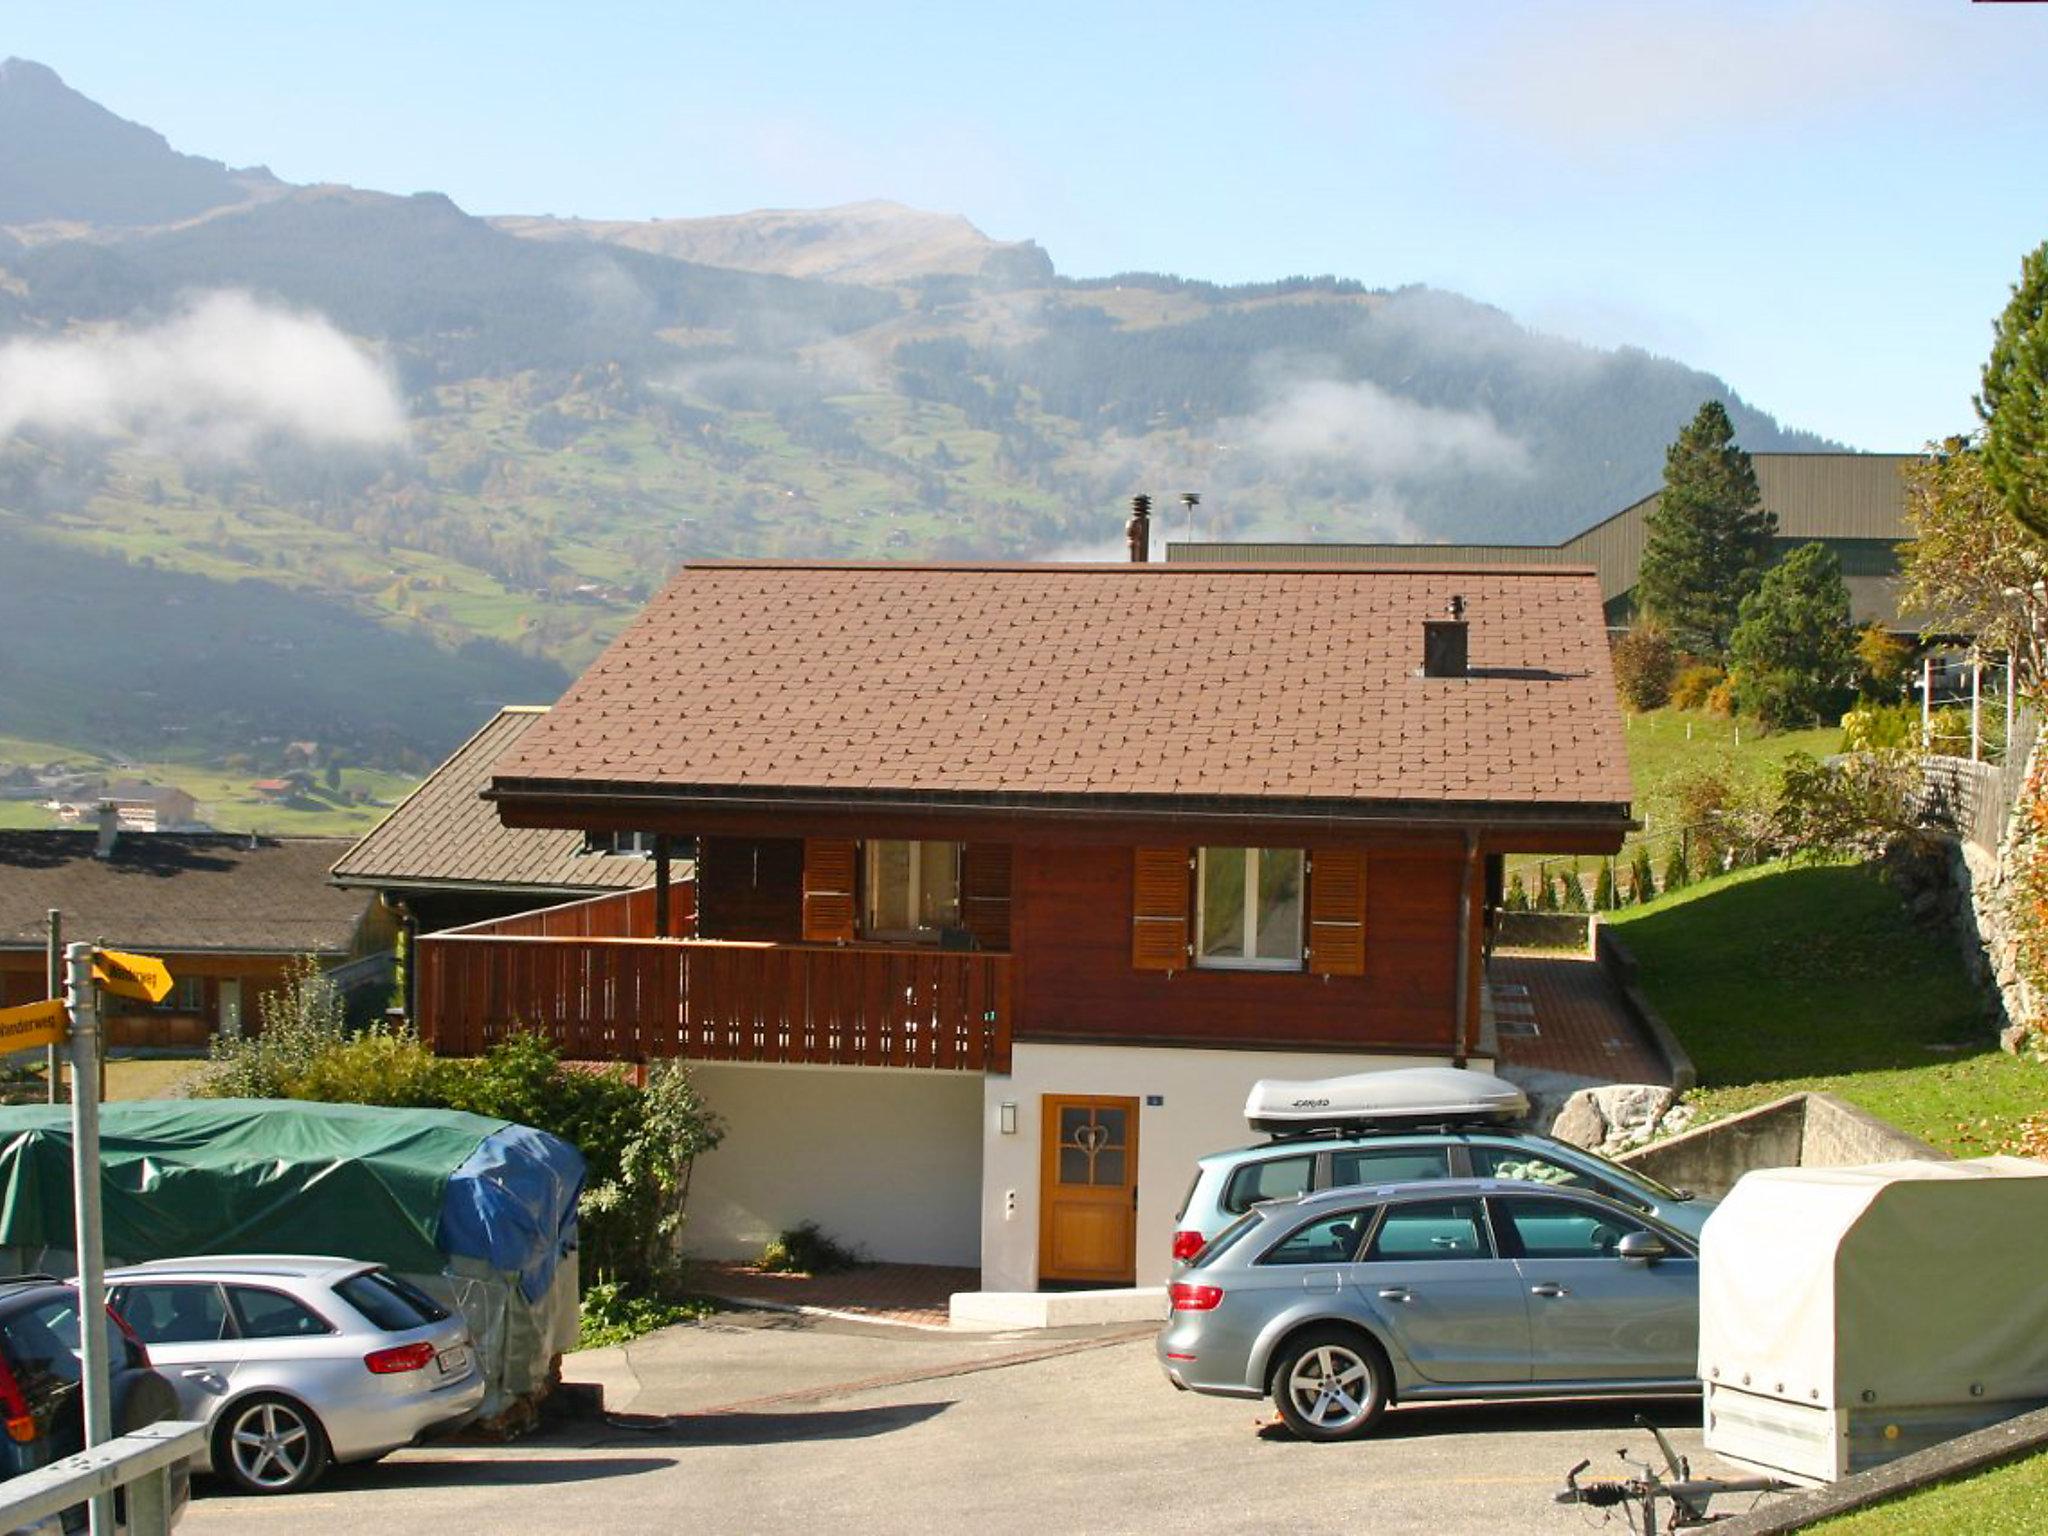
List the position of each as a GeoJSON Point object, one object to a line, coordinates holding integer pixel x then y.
{"type": "Point", "coordinates": [41, 1342]}
{"type": "Point", "coordinates": [913, 889]}
{"type": "Point", "coordinates": [1431, 1229]}
{"type": "Point", "coordinates": [263, 1314]}
{"type": "Point", "coordinates": [1277, 1178]}
{"type": "Point", "coordinates": [1522, 1163]}
{"type": "Point", "coordinates": [389, 1302]}
{"type": "Point", "coordinates": [1327, 1240]}
{"type": "Point", "coordinates": [1248, 908]}
{"type": "Point", "coordinates": [1387, 1165]}
{"type": "Point", "coordinates": [174, 1314]}
{"type": "Point", "coordinates": [1561, 1229]}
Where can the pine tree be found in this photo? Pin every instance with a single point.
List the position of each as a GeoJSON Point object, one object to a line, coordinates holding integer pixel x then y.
{"type": "Point", "coordinates": [1675, 872]}
{"type": "Point", "coordinates": [1603, 889]}
{"type": "Point", "coordinates": [1644, 875]}
{"type": "Point", "coordinates": [1517, 898]}
{"type": "Point", "coordinates": [2014, 403]}
{"type": "Point", "coordinates": [1794, 648]}
{"type": "Point", "coordinates": [1574, 891]}
{"type": "Point", "coordinates": [1709, 538]}
{"type": "Point", "coordinates": [1546, 893]}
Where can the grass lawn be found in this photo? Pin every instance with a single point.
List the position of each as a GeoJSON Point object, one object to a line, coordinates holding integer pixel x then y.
{"type": "Point", "coordinates": [1784, 978]}
{"type": "Point", "coordinates": [1666, 744]}
{"type": "Point", "coordinates": [2011, 1500]}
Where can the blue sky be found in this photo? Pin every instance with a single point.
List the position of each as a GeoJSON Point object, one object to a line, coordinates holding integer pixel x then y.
{"type": "Point", "coordinates": [1824, 201]}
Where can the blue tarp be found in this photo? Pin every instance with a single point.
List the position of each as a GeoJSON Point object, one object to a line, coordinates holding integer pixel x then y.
{"type": "Point", "coordinates": [512, 1204]}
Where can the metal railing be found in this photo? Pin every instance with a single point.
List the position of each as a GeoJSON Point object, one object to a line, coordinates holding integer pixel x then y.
{"type": "Point", "coordinates": [143, 1463]}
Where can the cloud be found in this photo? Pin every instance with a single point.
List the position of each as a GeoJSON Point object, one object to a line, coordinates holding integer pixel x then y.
{"type": "Point", "coordinates": [219, 378]}
{"type": "Point", "coordinates": [1324, 422]}
{"type": "Point", "coordinates": [1608, 83]}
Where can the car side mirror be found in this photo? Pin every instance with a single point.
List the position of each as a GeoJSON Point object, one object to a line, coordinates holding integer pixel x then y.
{"type": "Point", "coordinates": [1645, 1246]}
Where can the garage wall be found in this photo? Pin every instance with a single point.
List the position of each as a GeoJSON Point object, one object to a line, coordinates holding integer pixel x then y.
{"type": "Point", "coordinates": [1203, 1094]}
{"type": "Point", "coordinates": [888, 1160]}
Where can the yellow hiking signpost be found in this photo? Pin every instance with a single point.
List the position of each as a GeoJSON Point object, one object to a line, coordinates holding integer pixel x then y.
{"type": "Point", "coordinates": [32, 1025]}
{"type": "Point", "coordinates": [142, 977]}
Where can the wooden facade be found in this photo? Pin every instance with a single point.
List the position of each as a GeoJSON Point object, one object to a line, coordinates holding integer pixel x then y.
{"type": "Point", "coordinates": [175, 1025]}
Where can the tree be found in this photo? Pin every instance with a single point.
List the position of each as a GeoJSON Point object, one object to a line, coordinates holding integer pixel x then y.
{"type": "Point", "coordinates": [2014, 402]}
{"type": "Point", "coordinates": [1969, 568]}
{"type": "Point", "coordinates": [1884, 662]}
{"type": "Point", "coordinates": [1793, 647]}
{"type": "Point", "coordinates": [1644, 665]}
{"type": "Point", "coordinates": [1709, 539]}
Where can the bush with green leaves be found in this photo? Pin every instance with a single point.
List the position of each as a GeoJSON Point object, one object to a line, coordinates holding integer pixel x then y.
{"type": "Point", "coordinates": [1643, 875]}
{"type": "Point", "coordinates": [614, 1313]}
{"type": "Point", "coordinates": [1859, 806]}
{"type": "Point", "coordinates": [1603, 888]}
{"type": "Point", "coordinates": [806, 1249]}
{"type": "Point", "coordinates": [1546, 893]}
{"type": "Point", "coordinates": [1676, 875]}
{"type": "Point", "coordinates": [1880, 727]}
{"type": "Point", "coordinates": [302, 1021]}
{"type": "Point", "coordinates": [1517, 897]}
{"type": "Point", "coordinates": [1695, 684]}
{"type": "Point", "coordinates": [1574, 892]}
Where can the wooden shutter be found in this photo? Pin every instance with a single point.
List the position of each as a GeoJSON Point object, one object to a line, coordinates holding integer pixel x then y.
{"type": "Point", "coordinates": [828, 890]}
{"type": "Point", "coordinates": [1336, 912]}
{"type": "Point", "coordinates": [1159, 909]}
{"type": "Point", "coordinates": [985, 893]}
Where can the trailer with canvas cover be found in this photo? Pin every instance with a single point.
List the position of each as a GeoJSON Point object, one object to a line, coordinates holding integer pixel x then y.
{"type": "Point", "coordinates": [1849, 1316]}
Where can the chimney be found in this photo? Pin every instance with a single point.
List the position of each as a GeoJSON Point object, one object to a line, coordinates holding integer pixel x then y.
{"type": "Point", "coordinates": [1138, 531]}
{"type": "Point", "coordinates": [1444, 642]}
{"type": "Point", "coordinates": [109, 830]}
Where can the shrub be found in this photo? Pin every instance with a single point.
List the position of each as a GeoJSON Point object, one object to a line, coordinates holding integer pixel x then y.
{"type": "Point", "coordinates": [1880, 727]}
{"type": "Point", "coordinates": [379, 1066]}
{"type": "Point", "coordinates": [1546, 893]}
{"type": "Point", "coordinates": [1695, 682]}
{"type": "Point", "coordinates": [1574, 891]}
{"type": "Point", "coordinates": [1645, 662]}
{"type": "Point", "coordinates": [1948, 731]}
{"type": "Point", "coordinates": [1721, 699]}
{"type": "Point", "coordinates": [1643, 876]}
{"type": "Point", "coordinates": [1884, 662]}
{"type": "Point", "coordinates": [302, 1021]}
{"type": "Point", "coordinates": [805, 1249]}
{"type": "Point", "coordinates": [1855, 807]}
{"type": "Point", "coordinates": [614, 1314]}
{"type": "Point", "coordinates": [1675, 872]}
{"type": "Point", "coordinates": [1603, 888]}
{"type": "Point", "coordinates": [1517, 897]}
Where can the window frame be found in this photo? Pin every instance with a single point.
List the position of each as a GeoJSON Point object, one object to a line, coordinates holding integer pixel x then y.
{"type": "Point", "coordinates": [869, 890]}
{"type": "Point", "coordinates": [1373, 1213]}
{"type": "Point", "coordinates": [1483, 1227]}
{"type": "Point", "coordinates": [231, 1287]}
{"type": "Point", "coordinates": [1248, 958]}
{"type": "Point", "coordinates": [231, 1326]}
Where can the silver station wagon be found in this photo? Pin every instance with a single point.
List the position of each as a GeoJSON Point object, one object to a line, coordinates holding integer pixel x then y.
{"type": "Point", "coordinates": [1337, 1304]}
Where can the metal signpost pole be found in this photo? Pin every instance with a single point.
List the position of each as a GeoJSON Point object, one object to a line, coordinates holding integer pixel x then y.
{"type": "Point", "coordinates": [81, 999]}
{"type": "Point", "coordinates": [53, 975]}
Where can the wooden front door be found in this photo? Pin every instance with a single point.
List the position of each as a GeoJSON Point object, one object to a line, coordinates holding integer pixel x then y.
{"type": "Point", "coordinates": [1088, 1190]}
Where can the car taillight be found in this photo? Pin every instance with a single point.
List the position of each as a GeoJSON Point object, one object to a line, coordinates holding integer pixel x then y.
{"type": "Point", "coordinates": [1193, 1298]}
{"type": "Point", "coordinates": [403, 1357]}
{"type": "Point", "coordinates": [21, 1424]}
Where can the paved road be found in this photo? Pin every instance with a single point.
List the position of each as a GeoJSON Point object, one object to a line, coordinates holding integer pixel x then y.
{"type": "Point", "coordinates": [831, 1426]}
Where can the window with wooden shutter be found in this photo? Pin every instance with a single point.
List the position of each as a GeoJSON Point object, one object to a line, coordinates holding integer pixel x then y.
{"type": "Point", "coordinates": [1159, 909]}
{"type": "Point", "coordinates": [985, 893]}
{"type": "Point", "coordinates": [1336, 912]}
{"type": "Point", "coordinates": [828, 890]}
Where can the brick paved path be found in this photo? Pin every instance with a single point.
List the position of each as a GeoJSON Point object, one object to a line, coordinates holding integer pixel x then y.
{"type": "Point", "coordinates": [882, 1293]}
{"type": "Point", "coordinates": [1581, 1024]}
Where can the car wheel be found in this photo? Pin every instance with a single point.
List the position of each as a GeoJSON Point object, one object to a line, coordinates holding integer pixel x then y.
{"type": "Point", "coordinates": [269, 1444]}
{"type": "Point", "coordinates": [1330, 1384]}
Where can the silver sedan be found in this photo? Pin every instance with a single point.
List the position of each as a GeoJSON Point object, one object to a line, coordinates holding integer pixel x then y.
{"type": "Point", "coordinates": [1339, 1303]}
{"type": "Point", "coordinates": [296, 1362]}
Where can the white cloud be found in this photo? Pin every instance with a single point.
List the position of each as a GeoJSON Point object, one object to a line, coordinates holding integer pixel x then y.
{"type": "Point", "coordinates": [1311, 422]}
{"type": "Point", "coordinates": [1611, 83]}
{"type": "Point", "coordinates": [218, 378]}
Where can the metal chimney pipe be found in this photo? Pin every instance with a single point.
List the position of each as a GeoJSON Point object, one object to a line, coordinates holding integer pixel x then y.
{"type": "Point", "coordinates": [1138, 531]}
{"type": "Point", "coordinates": [109, 826]}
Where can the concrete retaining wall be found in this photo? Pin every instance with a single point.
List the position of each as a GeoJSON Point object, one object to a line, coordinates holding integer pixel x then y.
{"type": "Point", "coordinates": [1803, 1130]}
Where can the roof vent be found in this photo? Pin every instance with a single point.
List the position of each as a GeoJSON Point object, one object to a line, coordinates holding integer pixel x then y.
{"type": "Point", "coordinates": [1444, 642]}
{"type": "Point", "coordinates": [109, 830]}
{"type": "Point", "coordinates": [1138, 531]}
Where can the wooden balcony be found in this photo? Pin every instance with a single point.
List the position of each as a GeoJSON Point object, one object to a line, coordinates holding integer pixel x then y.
{"type": "Point", "coordinates": [582, 977]}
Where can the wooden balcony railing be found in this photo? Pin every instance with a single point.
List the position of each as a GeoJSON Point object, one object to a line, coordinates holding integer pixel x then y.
{"type": "Point", "coordinates": [634, 999]}
{"type": "Point", "coordinates": [619, 915]}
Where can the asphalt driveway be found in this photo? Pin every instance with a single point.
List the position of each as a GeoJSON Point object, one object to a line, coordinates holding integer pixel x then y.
{"type": "Point", "coordinates": [757, 1422]}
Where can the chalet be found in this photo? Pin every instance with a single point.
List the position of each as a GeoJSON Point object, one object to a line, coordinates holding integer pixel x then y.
{"type": "Point", "coordinates": [229, 914]}
{"type": "Point", "coordinates": [1010, 880]}
{"type": "Point", "coordinates": [137, 807]}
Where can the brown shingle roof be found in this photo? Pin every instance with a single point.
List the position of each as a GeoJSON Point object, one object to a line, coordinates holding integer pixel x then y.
{"type": "Point", "coordinates": [178, 891]}
{"type": "Point", "coordinates": [442, 835]}
{"type": "Point", "coordinates": [1277, 684]}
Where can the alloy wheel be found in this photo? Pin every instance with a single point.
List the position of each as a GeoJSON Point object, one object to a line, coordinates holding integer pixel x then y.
{"type": "Point", "coordinates": [1332, 1387]}
{"type": "Point", "coordinates": [271, 1445]}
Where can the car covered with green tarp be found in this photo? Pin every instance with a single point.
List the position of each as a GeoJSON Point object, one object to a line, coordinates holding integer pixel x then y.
{"type": "Point", "coordinates": [479, 1210]}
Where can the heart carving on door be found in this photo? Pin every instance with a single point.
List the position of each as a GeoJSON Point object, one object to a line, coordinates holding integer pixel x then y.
{"type": "Point", "coordinates": [1091, 1138]}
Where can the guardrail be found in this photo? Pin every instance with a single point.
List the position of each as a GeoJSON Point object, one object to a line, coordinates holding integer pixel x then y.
{"type": "Point", "coordinates": [142, 1463]}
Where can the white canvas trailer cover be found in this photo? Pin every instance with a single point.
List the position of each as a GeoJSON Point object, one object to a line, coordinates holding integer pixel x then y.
{"type": "Point", "coordinates": [1851, 1315]}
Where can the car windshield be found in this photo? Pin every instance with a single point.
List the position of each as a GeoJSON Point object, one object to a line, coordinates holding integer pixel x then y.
{"type": "Point", "coordinates": [390, 1302]}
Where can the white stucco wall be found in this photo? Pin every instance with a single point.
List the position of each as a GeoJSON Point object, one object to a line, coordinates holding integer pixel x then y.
{"type": "Point", "coordinates": [886, 1159]}
{"type": "Point", "coordinates": [1202, 1111]}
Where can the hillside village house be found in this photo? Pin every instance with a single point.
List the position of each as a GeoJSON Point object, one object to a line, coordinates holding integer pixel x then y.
{"type": "Point", "coordinates": [1010, 880]}
{"type": "Point", "coordinates": [228, 913]}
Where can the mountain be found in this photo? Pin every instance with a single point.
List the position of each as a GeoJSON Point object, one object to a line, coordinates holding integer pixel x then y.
{"type": "Point", "coordinates": [871, 242]}
{"type": "Point", "coordinates": [487, 440]}
{"type": "Point", "coordinates": [68, 160]}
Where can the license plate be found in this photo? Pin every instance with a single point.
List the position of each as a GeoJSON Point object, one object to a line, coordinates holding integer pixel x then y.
{"type": "Point", "coordinates": [452, 1361]}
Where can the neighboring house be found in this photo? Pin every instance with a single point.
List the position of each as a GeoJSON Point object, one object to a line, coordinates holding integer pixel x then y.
{"type": "Point", "coordinates": [1855, 503]}
{"type": "Point", "coordinates": [1011, 880]}
{"type": "Point", "coordinates": [227, 913]}
{"type": "Point", "coordinates": [442, 859]}
{"type": "Point", "coordinates": [139, 807]}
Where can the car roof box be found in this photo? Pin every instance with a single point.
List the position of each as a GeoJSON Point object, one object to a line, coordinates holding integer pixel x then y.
{"type": "Point", "coordinates": [1404, 1096]}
